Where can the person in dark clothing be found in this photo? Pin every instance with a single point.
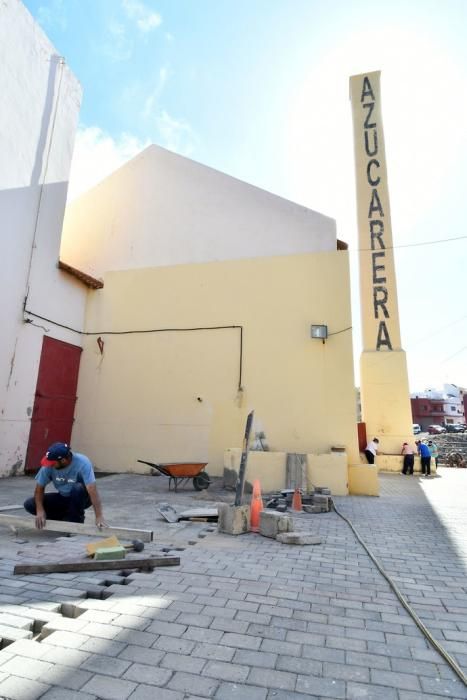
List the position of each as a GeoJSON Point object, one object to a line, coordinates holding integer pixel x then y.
{"type": "Point", "coordinates": [372, 450]}
{"type": "Point", "coordinates": [408, 452]}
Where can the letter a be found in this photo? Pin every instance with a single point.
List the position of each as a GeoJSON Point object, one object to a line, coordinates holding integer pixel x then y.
{"type": "Point", "coordinates": [383, 337]}
{"type": "Point", "coordinates": [367, 90]}
{"type": "Point", "coordinates": [375, 204]}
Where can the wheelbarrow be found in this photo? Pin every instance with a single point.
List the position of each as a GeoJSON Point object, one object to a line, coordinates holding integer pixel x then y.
{"type": "Point", "coordinates": [181, 472]}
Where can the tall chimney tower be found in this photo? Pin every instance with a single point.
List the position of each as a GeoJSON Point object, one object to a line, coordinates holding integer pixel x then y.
{"type": "Point", "coordinates": [383, 367]}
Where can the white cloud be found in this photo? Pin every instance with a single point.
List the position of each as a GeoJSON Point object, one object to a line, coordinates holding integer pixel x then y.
{"type": "Point", "coordinates": [119, 47]}
{"type": "Point", "coordinates": [177, 134]}
{"type": "Point", "coordinates": [150, 103]}
{"type": "Point", "coordinates": [96, 155]}
{"type": "Point", "coordinates": [146, 20]}
{"type": "Point", "coordinates": [52, 15]}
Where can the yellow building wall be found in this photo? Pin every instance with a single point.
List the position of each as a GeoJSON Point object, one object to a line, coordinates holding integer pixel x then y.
{"type": "Point", "coordinates": [329, 469]}
{"type": "Point", "coordinates": [173, 395]}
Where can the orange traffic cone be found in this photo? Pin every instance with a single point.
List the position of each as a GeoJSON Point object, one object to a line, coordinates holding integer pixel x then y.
{"type": "Point", "coordinates": [297, 500]}
{"type": "Point", "coordinates": [256, 506]}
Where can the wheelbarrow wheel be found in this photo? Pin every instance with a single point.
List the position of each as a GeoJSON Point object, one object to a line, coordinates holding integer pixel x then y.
{"type": "Point", "coordinates": [201, 481]}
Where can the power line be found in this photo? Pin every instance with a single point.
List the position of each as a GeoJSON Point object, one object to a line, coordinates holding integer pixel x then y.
{"type": "Point", "coordinates": [438, 330]}
{"type": "Point", "coordinates": [409, 245]}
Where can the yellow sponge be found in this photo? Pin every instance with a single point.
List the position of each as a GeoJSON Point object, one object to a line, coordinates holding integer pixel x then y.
{"type": "Point", "coordinates": [106, 553]}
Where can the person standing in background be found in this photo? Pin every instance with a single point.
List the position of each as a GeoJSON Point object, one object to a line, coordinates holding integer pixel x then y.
{"type": "Point", "coordinates": [408, 451]}
{"type": "Point", "coordinates": [425, 457]}
{"type": "Point", "coordinates": [433, 447]}
{"type": "Point", "coordinates": [371, 450]}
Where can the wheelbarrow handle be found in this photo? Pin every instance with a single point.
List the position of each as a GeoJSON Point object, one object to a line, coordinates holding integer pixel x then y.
{"type": "Point", "coordinates": [151, 464]}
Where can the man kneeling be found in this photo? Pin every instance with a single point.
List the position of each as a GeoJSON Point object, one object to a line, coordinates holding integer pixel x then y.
{"type": "Point", "coordinates": [73, 477]}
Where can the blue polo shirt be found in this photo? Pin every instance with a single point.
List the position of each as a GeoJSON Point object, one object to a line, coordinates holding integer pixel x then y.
{"type": "Point", "coordinates": [424, 450]}
{"type": "Point", "coordinates": [78, 471]}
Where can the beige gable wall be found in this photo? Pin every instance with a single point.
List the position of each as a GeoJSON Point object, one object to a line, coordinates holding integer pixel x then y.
{"type": "Point", "coordinates": [163, 209]}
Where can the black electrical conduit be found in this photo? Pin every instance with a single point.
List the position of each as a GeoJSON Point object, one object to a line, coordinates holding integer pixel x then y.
{"type": "Point", "coordinates": [151, 330]}
{"type": "Point", "coordinates": [434, 643]}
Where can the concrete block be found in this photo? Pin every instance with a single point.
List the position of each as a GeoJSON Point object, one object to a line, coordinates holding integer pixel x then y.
{"type": "Point", "coordinates": [12, 634]}
{"type": "Point", "coordinates": [321, 498]}
{"type": "Point", "coordinates": [272, 523]}
{"type": "Point", "coordinates": [297, 538]}
{"type": "Point", "coordinates": [315, 509]}
{"type": "Point", "coordinates": [323, 489]}
{"type": "Point", "coordinates": [107, 553]}
{"type": "Point", "coordinates": [233, 520]}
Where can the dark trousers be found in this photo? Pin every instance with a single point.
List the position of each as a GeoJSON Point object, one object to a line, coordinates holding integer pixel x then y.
{"type": "Point", "coordinates": [425, 463]}
{"type": "Point", "coordinates": [370, 457]}
{"type": "Point", "coordinates": [408, 464]}
{"type": "Point", "coordinates": [70, 508]}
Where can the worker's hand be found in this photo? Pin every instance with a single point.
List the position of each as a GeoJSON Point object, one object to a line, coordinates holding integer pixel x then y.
{"type": "Point", "coordinates": [40, 519]}
{"type": "Point", "coordinates": [100, 522]}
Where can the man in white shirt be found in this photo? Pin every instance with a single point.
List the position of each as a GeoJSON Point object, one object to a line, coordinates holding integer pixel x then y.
{"type": "Point", "coordinates": [372, 450]}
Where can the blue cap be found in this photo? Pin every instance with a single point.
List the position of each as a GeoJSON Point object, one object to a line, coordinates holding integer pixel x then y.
{"type": "Point", "coordinates": [59, 450]}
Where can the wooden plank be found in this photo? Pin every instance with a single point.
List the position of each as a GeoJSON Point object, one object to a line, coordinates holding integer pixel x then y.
{"type": "Point", "coordinates": [78, 528]}
{"type": "Point", "coordinates": [65, 567]}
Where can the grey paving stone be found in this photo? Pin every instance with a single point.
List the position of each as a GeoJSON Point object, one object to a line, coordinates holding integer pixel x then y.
{"type": "Point", "coordinates": [296, 664]}
{"type": "Point", "coordinates": [66, 640]}
{"type": "Point", "coordinates": [322, 687]}
{"type": "Point", "coordinates": [65, 677]}
{"type": "Point", "coordinates": [64, 694]}
{"type": "Point", "coordinates": [451, 689]}
{"type": "Point", "coordinates": [16, 688]}
{"type": "Point", "coordinates": [182, 662]}
{"type": "Point", "coordinates": [288, 648]}
{"type": "Point", "coordinates": [106, 665]}
{"type": "Point", "coordinates": [66, 657]}
{"type": "Point", "coordinates": [232, 691]}
{"type": "Point", "coordinates": [324, 654]}
{"type": "Point", "coordinates": [142, 639]}
{"type": "Point", "coordinates": [358, 658]}
{"type": "Point", "coordinates": [186, 682]}
{"type": "Point", "coordinates": [106, 688]}
{"type": "Point", "coordinates": [214, 652]}
{"type": "Point", "coordinates": [228, 625]}
{"type": "Point", "coordinates": [420, 668]}
{"type": "Point", "coordinates": [230, 671]}
{"type": "Point", "coordinates": [144, 673]}
{"type": "Point", "coordinates": [147, 692]}
{"type": "Point", "coordinates": [168, 629]}
{"type": "Point", "coordinates": [346, 672]}
{"type": "Point", "coordinates": [241, 641]}
{"type": "Point", "coordinates": [201, 634]}
{"type": "Point", "coordinates": [32, 668]}
{"type": "Point", "coordinates": [360, 691]}
{"type": "Point", "coordinates": [288, 695]}
{"type": "Point", "coordinates": [255, 658]}
{"type": "Point", "coordinates": [174, 644]}
{"type": "Point", "coordinates": [23, 647]}
{"type": "Point", "coordinates": [267, 632]}
{"type": "Point", "coordinates": [282, 680]}
{"type": "Point", "coordinates": [101, 646]}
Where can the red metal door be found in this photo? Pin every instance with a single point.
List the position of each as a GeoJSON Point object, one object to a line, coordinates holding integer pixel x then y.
{"type": "Point", "coordinates": [54, 403]}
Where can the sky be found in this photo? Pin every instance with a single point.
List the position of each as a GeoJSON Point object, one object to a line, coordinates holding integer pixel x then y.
{"type": "Point", "coordinates": [258, 89]}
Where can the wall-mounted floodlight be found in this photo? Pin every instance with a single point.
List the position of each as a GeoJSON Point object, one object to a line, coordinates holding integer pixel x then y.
{"type": "Point", "coordinates": [320, 332]}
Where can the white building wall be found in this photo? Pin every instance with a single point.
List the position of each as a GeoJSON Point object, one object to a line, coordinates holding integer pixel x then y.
{"type": "Point", "coordinates": [162, 209]}
{"type": "Point", "coordinates": [38, 116]}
